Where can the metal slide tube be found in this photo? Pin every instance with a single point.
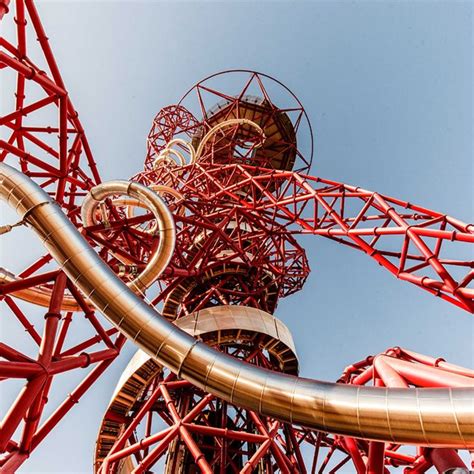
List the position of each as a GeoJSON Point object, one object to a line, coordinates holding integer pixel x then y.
{"type": "Point", "coordinates": [143, 197]}
{"type": "Point", "coordinates": [430, 417]}
{"type": "Point", "coordinates": [162, 256]}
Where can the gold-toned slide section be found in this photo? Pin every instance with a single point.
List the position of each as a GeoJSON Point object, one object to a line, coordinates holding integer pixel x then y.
{"type": "Point", "coordinates": [428, 417]}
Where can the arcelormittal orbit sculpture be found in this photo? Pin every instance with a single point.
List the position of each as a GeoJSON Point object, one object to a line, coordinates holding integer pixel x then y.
{"type": "Point", "coordinates": [188, 260]}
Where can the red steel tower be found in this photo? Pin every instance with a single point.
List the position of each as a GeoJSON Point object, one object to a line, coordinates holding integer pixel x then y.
{"type": "Point", "coordinates": [230, 161]}
{"type": "Point", "coordinates": [238, 203]}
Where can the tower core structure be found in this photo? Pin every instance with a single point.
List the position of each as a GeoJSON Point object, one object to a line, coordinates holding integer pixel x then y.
{"type": "Point", "coordinates": [234, 256]}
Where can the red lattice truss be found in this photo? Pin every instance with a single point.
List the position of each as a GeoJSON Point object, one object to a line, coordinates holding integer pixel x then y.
{"type": "Point", "coordinates": [400, 368]}
{"type": "Point", "coordinates": [414, 243]}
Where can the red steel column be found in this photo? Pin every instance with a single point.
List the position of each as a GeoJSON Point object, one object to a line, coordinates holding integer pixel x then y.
{"type": "Point", "coordinates": [444, 459]}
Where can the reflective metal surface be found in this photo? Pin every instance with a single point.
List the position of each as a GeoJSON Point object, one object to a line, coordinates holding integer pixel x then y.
{"type": "Point", "coordinates": [142, 197]}
{"type": "Point", "coordinates": [222, 125]}
{"type": "Point", "coordinates": [150, 199]}
{"type": "Point", "coordinates": [231, 324]}
{"type": "Point", "coordinates": [138, 374]}
{"type": "Point", "coordinates": [429, 417]}
{"type": "Point", "coordinates": [39, 295]}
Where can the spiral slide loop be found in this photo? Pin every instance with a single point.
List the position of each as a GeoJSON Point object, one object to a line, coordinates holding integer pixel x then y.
{"type": "Point", "coordinates": [142, 197]}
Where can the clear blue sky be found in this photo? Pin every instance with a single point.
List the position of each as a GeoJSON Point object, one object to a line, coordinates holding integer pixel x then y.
{"type": "Point", "coordinates": [388, 88]}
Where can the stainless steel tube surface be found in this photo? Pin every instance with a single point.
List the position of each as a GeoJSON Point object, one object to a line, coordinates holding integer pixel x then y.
{"type": "Point", "coordinates": [164, 227]}
{"type": "Point", "coordinates": [429, 417]}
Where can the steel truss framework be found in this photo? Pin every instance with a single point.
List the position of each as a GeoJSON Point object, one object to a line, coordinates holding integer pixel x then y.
{"type": "Point", "coordinates": [238, 216]}
{"type": "Point", "coordinates": [246, 442]}
{"type": "Point", "coordinates": [200, 428]}
{"type": "Point", "coordinates": [408, 240]}
{"type": "Point", "coordinates": [401, 368]}
{"type": "Point", "coordinates": [45, 138]}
